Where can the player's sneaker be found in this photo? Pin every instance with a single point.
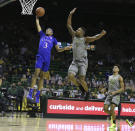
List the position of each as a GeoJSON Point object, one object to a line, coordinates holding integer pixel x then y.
{"type": "Point", "coordinates": [113, 126]}
{"type": "Point", "coordinates": [130, 123]}
{"type": "Point", "coordinates": [37, 96]}
{"type": "Point", "coordinates": [30, 94]}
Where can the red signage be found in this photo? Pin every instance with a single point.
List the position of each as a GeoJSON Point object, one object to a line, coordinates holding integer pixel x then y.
{"type": "Point", "coordinates": [85, 108]}
{"type": "Point", "coordinates": [75, 107]}
{"type": "Point", "coordinates": [127, 109]}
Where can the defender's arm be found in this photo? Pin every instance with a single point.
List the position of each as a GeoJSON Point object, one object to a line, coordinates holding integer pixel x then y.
{"type": "Point", "coordinates": [69, 23]}
{"type": "Point", "coordinates": [96, 37]}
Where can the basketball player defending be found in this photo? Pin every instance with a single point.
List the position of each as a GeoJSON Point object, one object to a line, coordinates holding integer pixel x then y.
{"type": "Point", "coordinates": [80, 61]}
{"type": "Point", "coordinates": [47, 41]}
{"type": "Point", "coordinates": [115, 88]}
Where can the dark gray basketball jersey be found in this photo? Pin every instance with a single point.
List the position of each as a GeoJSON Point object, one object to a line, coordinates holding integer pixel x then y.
{"type": "Point", "coordinates": [114, 83]}
{"type": "Point", "coordinates": [79, 48]}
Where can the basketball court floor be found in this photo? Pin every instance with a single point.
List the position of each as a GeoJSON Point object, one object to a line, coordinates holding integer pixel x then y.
{"type": "Point", "coordinates": [52, 124]}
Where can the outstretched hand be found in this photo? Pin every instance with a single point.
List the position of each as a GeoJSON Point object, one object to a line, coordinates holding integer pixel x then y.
{"type": "Point", "coordinates": [68, 48]}
{"type": "Point", "coordinates": [73, 11]}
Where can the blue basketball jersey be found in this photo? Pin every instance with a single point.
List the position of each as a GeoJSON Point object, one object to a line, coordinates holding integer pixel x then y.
{"type": "Point", "coordinates": [45, 45]}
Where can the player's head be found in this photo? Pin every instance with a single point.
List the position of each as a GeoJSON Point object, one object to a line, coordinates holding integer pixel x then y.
{"type": "Point", "coordinates": [116, 68]}
{"type": "Point", "coordinates": [80, 32]}
{"type": "Point", "coordinates": [49, 31]}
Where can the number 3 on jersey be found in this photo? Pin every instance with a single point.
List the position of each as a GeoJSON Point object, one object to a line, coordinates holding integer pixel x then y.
{"type": "Point", "coordinates": [45, 45]}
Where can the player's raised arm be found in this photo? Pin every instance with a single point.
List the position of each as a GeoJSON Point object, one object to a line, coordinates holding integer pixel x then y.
{"type": "Point", "coordinates": [69, 23]}
{"type": "Point", "coordinates": [96, 37]}
{"type": "Point", "coordinates": [38, 25]}
{"type": "Point", "coordinates": [63, 49]}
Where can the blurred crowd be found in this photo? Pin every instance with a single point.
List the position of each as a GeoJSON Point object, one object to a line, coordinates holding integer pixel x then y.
{"type": "Point", "coordinates": [58, 85]}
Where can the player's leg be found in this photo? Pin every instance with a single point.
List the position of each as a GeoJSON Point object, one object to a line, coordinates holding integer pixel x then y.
{"type": "Point", "coordinates": [84, 86]}
{"type": "Point", "coordinates": [33, 82]}
{"type": "Point", "coordinates": [107, 104]}
{"type": "Point", "coordinates": [82, 73]}
{"type": "Point", "coordinates": [119, 110]}
{"type": "Point", "coordinates": [114, 103]}
{"type": "Point", "coordinates": [106, 109]}
{"type": "Point", "coordinates": [83, 83]}
{"type": "Point", "coordinates": [40, 86]}
{"type": "Point", "coordinates": [113, 116]}
{"type": "Point", "coordinates": [41, 80]}
{"type": "Point", "coordinates": [35, 76]}
{"type": "Point", "coordinates": [38, 67]}
{"type": "Point", "coordinates": [113, 112]}
{"type": "Point", "coordinates": [72, 71]}
{"type": "Point", "coordinates": [44, 74]}
{"type": "Point", "coordinates": [72, 78]}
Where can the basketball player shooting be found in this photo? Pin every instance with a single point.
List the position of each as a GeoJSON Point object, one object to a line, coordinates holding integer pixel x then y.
{"type": "Point", "coordinates": [115, 88]}
{"type": "Point", "coordinates": [80, 61]}
{"type": "Point", "coordinates": [47, 41]}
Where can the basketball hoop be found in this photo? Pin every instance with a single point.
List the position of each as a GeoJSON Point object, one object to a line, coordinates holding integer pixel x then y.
{"type": "Point", "coordinates": [27, 6]}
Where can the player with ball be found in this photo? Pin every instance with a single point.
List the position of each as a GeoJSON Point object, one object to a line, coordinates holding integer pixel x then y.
{"type": "Point", "coordinates": [47, 41]}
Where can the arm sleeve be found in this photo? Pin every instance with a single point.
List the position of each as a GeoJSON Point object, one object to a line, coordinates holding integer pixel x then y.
{"type": "Point", "coordinates": [55, 41]}
{"type": "Point", "coordinates": [41, 33]}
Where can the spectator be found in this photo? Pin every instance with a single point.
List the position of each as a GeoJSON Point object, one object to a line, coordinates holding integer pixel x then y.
{"type": "Point", "coordinates": [20, 94]}
{"type": "Point", "coordinates": [101, 95]}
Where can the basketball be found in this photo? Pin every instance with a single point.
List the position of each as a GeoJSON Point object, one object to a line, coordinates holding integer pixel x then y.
{"type": "Point", "coordinates": [40, 11]}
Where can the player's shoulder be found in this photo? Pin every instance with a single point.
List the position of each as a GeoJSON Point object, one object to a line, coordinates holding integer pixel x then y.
{"type": "Point", "coordinates": [54, 39]}
{"type": "Point", "coordinates": [41, 33]}
{"type": "Point", "coordinates": [110, 76]}
{"type": "Point", "coordinates": [120, 77]}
